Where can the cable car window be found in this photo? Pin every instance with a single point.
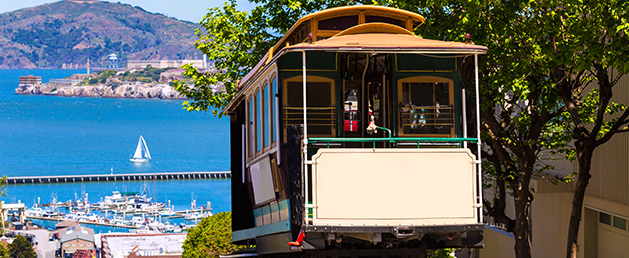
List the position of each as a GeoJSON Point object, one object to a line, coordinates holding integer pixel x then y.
{"type": "Point", "coordinates": [371, 18]}
{"type": "Point", "coordinates": [274, 113]}
{"type": "Point", "coordinates": [338, 23]}
{"type": "Point", "coordinates": [258, 123]}
{"type": "Point", "coordinates": [321, 111]}
{"type": "Point", "coordinates": [267, 132]}
{"type": "Point", "coordinates": [426, 108]}
{"type": "Point", "coordinates": [351, 111]}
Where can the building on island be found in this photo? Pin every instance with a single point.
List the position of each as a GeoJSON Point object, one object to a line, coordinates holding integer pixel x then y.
{"type": "Point", "coordinates": [112, 62]}
{"type": "Point", "coordinates": [141, 64]}
{"type": "Point", "coordinates": [30, 79]}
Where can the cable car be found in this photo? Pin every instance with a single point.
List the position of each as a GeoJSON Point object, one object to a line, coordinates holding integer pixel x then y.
{"type": "Point", "coordinates": [348, 139]}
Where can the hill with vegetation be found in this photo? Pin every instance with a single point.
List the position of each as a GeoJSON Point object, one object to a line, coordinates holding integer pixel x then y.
{"type": "Point", "coordinates": [66, 34]}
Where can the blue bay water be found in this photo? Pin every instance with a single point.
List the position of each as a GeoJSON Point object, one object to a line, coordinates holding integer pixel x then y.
{"type": "Point", "coordinates": [47, 135]}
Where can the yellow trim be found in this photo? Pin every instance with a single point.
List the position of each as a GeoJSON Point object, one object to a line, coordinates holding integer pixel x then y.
{"type": "Point", "coordinates": [314, 26]}
{"type": "Point", "coordinates": [424, 79]}
{"type": "Point", "coordinates": [270, 56]}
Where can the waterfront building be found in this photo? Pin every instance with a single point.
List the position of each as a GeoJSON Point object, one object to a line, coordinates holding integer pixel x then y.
{"type": "Point", "coordinates": [7, 208]}
{"type": "Point", "coordinates": [76, 238]}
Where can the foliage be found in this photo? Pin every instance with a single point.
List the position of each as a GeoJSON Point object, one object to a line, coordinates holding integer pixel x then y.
{"type": "Point", "coordinates": [148, 74]}
{"type": "Point", "coordinates": [210, 238]}
{"type": "Point", "coordinates": [4, 250]}
{"type": "Point", "coordinates": [3, 193]}
{"type": "Point", "coordinates": [439, 253]}
{"type": "Point", "coordinates": [21, 248]}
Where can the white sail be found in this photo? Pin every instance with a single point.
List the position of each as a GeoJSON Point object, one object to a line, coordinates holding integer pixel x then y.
{"type": "Point", "coordinates": [147, 154]}
{"type": "Point", "coordinates": [141, 152]}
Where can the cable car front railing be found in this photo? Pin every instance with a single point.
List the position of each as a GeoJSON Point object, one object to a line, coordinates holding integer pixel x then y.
{"type": "Point", "coordinates": [394, 140]}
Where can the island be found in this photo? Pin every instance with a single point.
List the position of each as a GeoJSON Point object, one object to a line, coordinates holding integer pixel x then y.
{"type": "Point", "coordinates": [147, 83]}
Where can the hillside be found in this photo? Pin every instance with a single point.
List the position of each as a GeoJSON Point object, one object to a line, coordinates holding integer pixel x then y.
{"type": "Point", "coordinates": [67, 33]}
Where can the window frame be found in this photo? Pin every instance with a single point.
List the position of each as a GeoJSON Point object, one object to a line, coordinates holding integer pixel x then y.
{"type": "Point", "coordinates": [258, 116]}
{"type": "Point", "coordinates": [250, 129]}
{"type": "Point", "coordinates": [425, 79]}
{"type": "Point", "coordinates": [266, 117]}
{"type": "Point", "coordinates": [274, 114]}
{"type": "Point", "coordinates": [314, 79]}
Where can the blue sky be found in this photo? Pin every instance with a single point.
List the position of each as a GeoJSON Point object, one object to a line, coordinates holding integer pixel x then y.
{"type": "Point", "coordinates": [188, 10]}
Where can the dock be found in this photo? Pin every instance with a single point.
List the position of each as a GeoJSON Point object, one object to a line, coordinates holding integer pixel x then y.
{"type": "Point", "coordinates": [117, 177]}
{"type": "Point", "coordinates": [59, 219]}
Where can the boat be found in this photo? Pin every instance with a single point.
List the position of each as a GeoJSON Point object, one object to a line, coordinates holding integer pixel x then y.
{"type": "Point", "coordinates": [35, 212]}
{"type": "Point", "coordinates": [142, 154]}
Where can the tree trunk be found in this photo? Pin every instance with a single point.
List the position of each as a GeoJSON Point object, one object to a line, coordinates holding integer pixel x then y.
{"type": "Point", "coordinates": [521, 229]}
{"type": "Point", "coordinates": [584, 156]}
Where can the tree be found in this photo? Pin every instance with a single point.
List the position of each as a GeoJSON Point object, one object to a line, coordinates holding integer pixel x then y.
{"type": "Point", "coordinates": [21, 248]}
{"type": "Point", "coordinates": [600, 55]}
{"type": "Point", "coordinates": [3, 193]}
{"type": "Point", "coordinates": [210, 238]}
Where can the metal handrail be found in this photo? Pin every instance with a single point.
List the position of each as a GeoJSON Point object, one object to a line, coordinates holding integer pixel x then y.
{"type": "Point", "coordinates": [392, 140]}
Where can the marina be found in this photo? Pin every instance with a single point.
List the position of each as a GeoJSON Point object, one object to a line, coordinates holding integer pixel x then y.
{"type": "Point", "coordinates": [127, 210]}
{"type": "Point", "coordinates": [118, 177]}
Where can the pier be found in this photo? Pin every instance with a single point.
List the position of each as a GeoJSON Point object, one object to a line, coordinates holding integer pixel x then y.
{"type": "Point", "coordinates": [117, 177]}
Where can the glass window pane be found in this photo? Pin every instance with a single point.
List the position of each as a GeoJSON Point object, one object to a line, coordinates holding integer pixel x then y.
{"type": "Point", "coordinates": [250, 128]}
{"type": "Point", "coordinates": [319, 100]}
{"type": "Point", "coordinates": [372, 18]}
{"type": "Point", "coordinates": [274, 114]}
{"type": "Point", "coordinates": [605, 218]}
{"type": "Point", "coordinates": [620, 223]}
{"type": "Point", "coordinates": [426, 108]}
{"type": "Point", "coordinates": [351, 111]}
{"type": "Point", "coordinates": [258, 124]}
{"type": "Point", "coordinates": [267, 132]}
{"type": "Point", "coordinates": [338, 23]}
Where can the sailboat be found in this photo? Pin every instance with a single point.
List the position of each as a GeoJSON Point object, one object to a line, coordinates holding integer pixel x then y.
{"type": "Point", "coordinates": [142, 153]}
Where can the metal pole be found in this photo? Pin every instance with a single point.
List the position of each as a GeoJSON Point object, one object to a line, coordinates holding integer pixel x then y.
{"type": "Point", "coordinates": [464, 116]}
{"type": "Point", "coordinates": [478, 145]}
{"type": "Point", "coordinates": [305, 140]}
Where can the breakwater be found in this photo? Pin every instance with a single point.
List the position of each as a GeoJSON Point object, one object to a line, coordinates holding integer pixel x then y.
{"type": "Point", "coordinates": [117, 177]}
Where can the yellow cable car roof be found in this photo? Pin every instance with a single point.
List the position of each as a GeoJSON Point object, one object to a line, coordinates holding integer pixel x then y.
{"type": "Point", "coordinates": [388, 38]}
